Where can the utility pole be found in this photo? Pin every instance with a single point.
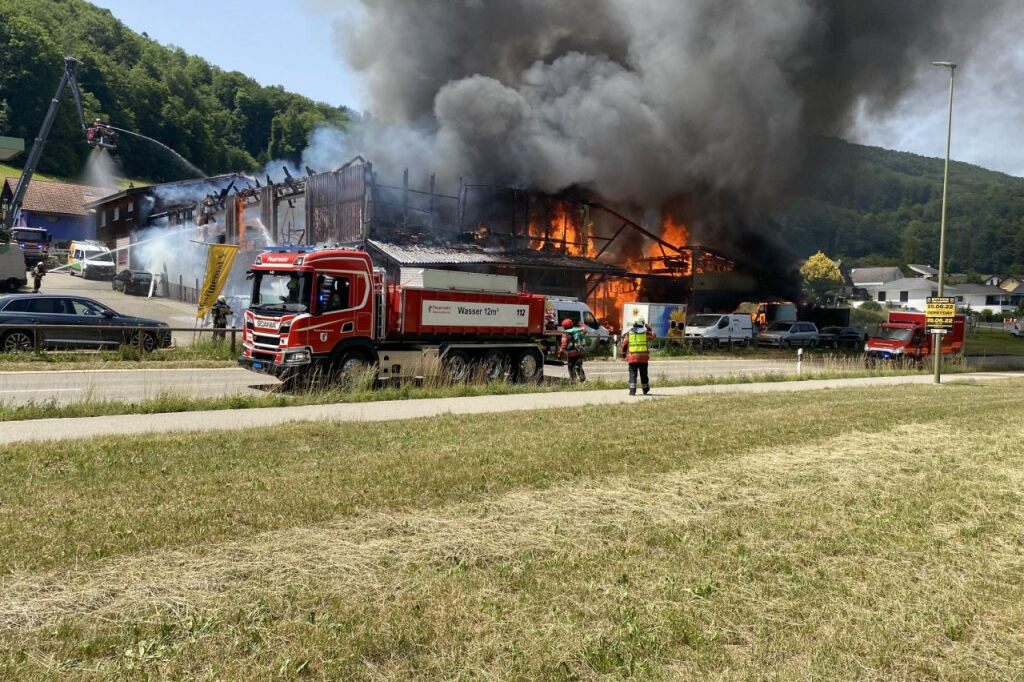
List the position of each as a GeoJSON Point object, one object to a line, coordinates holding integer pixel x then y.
{"type": "Point", "coordinates": [937, 337]}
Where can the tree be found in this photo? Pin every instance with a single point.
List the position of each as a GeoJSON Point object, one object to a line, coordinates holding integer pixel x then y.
{"type": "Point", "coordinates": [821, 276]}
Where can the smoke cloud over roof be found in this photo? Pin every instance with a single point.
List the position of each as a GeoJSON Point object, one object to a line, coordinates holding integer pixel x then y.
{"type": "Point", "coordinates": [639, 101]}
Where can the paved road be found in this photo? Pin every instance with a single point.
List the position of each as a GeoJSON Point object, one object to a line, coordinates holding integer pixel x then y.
{"type": "Point", "coordinates": [139, 384]}
{"type": "Point", "coordinates": [226, 420]}
{"type": "Point", "coordinates": [130, 385]}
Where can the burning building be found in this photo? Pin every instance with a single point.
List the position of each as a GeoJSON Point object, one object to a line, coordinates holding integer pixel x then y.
{"type": "Point", "coordinates": [566, 245]}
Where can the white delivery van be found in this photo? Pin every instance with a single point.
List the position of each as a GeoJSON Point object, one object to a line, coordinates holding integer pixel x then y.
{"type": "Point", "coordinates": [12, 267]}
{"type": "Point", "coordinates": [558, 309]}
{"type": "Point", "coordinates": [720, 329]}
{"type": "Point", "coordinates": [91, 260]}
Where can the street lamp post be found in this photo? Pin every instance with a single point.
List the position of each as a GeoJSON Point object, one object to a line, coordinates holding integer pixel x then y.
{"type": "Point", "coordinates": [937, 338]}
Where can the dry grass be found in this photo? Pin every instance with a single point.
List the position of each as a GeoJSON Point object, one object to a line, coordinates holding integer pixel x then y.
{"type": "Point", "coordinates": [813, 539]}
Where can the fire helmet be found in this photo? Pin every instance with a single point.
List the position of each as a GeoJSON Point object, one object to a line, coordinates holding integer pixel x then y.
{"type": "Point", "coordinates": [639, 321]}
{"type": "Point", "coordinates": [221, 299]}
{"type": "Point", "coordinates": [567, 323]}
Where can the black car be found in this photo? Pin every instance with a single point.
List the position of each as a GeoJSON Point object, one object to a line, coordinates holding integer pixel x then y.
{"type": "Point", "coordinates": [842, 337]}
{"type": "Point", "coordinates": [101, 327]}
{"type": "Point", "coordinates": [132, 282]}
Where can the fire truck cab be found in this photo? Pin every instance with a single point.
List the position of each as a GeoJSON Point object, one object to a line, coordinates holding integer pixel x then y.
{"type": "Point", "coordinates": [308, 307]}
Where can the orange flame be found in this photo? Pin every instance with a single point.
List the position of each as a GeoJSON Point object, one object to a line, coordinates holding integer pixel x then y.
{"type": "Point", "coordinates": [561, 231]}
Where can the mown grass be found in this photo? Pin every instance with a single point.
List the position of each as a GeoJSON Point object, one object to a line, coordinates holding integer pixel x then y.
{"type": "Point", "coordinates": [739, 537]}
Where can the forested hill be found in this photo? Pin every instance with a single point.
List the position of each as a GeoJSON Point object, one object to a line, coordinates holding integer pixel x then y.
{"type": "Point", "coordinates": [874, 206]}
{"type": "Point", "coordinates": [219, 120]}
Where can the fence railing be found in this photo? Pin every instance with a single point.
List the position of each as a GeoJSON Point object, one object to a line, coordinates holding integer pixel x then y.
{"type": "Point", "coordinates": [108, 336]}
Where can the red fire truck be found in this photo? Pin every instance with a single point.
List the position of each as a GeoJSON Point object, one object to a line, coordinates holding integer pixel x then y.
{"type": "Point", "coordinates": [903, 338]}
{"type": "Point", "coordinates": [331, 312]}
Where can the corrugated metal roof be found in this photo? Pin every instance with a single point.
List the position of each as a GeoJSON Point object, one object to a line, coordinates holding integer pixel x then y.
{"type": "Point", "coordinates": [411, 254]}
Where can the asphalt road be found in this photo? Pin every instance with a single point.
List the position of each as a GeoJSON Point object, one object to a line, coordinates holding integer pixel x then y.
{"type": "Point", "coordinates": [129, 385]}
{"type": "Point", "coordinates": [133, 385]}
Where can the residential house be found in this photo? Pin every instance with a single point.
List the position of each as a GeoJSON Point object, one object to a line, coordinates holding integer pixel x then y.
{"type": "Point", "coordinates": [906, 292]}
{"type": "Point", "coordinates": [979, 297]}
{"type": "Point", "coordinates": [57, 206]}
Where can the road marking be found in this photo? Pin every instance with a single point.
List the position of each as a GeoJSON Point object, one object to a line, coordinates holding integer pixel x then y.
{"type": "Point", "coordinates": [40, 390]}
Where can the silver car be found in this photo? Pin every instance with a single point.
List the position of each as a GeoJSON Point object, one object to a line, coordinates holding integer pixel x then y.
{"type": "Point", "coordinates": [785, 334]}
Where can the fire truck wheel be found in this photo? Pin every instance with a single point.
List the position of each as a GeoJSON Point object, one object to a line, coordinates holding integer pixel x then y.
{"type": "Point", "coordinates": [456, 366]}
{"type": "Point", "coordinates": [352, 367]}
{"type": "Point", "coordinates": [12, 285]}
{"type": "Point", "coordinates": [528, 367]}
{"type": "Point", "coordinates": [495, 365]}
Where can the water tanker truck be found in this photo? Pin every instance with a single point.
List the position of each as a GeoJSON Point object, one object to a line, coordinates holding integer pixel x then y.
{"type": "Point", "coordinates": [331, 313]}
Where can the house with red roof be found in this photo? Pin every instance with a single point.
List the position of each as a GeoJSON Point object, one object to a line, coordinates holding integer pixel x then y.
{"type": "Point", "coordinates": [59, 207]}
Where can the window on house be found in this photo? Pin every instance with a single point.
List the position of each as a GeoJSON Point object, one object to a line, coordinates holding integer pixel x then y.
{"type": "Point", "coordinates": [993, 300]}
{"type": "Point", "coordinates": [131, 208]}
{"type": "Point", "coordinates": [904, 296]}
{"type": "Point", "coordinates": [881, 297]}
{"type": "Point", "coordinates": [117, 213]}
{"type": "Point", "coordinates": [103, 218]}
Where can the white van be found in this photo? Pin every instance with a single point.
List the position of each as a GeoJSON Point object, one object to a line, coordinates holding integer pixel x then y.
{"type": "Point", "coordinates": [12, 267]}
{"type": "Point", "coordinates": [91, 260]}
{"type": "Point", "coordinates": [558, 309]}
{"type": "Point", "coordinates": [721, 330]}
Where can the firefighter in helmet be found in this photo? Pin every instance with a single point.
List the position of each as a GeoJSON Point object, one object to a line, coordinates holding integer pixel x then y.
{"type": "Point", "coordinates": [38, 272]}
{"type": "Point", "coordinates": [571, 349]}
{"type": "Point", "coordinates": [636, 347]}
{"type": "Point", "coordinates": [220, 312]}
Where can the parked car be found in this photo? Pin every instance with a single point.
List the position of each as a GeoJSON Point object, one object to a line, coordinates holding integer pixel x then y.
{"type": "Point", "coordinates": [720, 330]}
{"type": "Point", "coordinates": [842, 337]}
{"type": "Point", "coordinates": [785, 334]}
{"type": "Point", "coordinates": [132, 282]}
{"type": "Point", "coordinates": [19, 313]}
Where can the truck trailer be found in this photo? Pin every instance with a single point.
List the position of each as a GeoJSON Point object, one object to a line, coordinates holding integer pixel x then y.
{"type": "Point", "coordinates": [330, 313]}
{"type": "Point", "coordinates": [904, 338]}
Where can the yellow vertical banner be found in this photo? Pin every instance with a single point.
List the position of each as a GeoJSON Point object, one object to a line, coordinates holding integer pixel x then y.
{"type": "Point", "coordinates": [218, 267]}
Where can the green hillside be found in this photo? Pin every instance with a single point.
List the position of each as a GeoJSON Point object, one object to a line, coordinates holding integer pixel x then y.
{"type": "Point", "coordinates": [874, 206]}
{"type": "Point", "coordinates": [219, 120]}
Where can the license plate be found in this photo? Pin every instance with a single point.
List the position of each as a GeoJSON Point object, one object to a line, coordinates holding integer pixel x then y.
{"type": "Point", "coordinates": [257, 365]}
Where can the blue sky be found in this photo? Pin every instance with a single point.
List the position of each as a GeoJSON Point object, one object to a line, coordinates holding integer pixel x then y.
{"type": "Point", "coordinates": [277, 43]}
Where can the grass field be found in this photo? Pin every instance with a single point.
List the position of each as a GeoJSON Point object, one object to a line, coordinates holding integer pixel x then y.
{"type": "Point", "coordinates": [989, 341]}
{"type": "Point", "coordinates": [8, 171]}
{"type": "Point", "coordinates": [853, 534]}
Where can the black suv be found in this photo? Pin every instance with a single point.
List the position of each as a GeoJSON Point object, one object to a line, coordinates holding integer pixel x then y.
{"type": "Point", "coordinates": [19, 313]}
{"type": "Point", "coordinates": [132, 282]}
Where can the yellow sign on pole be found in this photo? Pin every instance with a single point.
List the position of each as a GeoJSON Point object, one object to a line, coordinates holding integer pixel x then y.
{"type": "Point", "coordinates": [218, 267]}
{"type": "Point", "coordinates": [940, 312]}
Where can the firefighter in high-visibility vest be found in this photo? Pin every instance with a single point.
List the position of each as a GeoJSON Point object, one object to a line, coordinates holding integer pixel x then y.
{"type": "Point", "coordinates": [635, 346]}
